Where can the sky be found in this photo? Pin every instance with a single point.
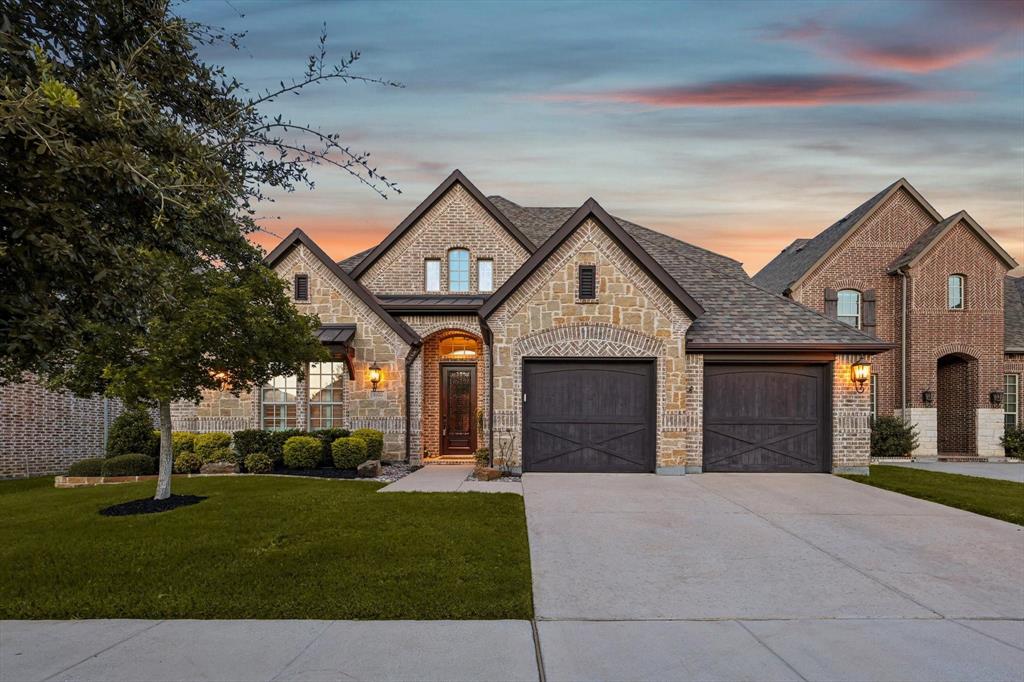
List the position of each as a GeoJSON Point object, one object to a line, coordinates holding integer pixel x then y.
{"type": "Point", "coordinates": [736, 126]}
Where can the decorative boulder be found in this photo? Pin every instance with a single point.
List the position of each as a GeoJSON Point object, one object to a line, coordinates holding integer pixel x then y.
{"type": "Point", "coordinates": [369, 469]}
{"type": "Point", "coordinates": [487, 474]}
{"type": "Point", "coordinates": [219, 468]}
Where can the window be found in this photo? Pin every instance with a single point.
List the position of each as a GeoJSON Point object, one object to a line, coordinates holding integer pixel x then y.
{"type": "Point", "coordinates": [278, 399]}
{"type": "Point", "coordinates": [587, 283]}
{"type": "Point", "coordinates": [848, 307]}
{"type": "Point", "coordinates": [458, 270]}
{"type": "Point", "coordinates": [301, 287]}
{"type": "Point", "coordinates": [485, 275]}
{"type": "Point", "coordinates": [1011, 400]}
{"type": "Point", "coordinates": [457, 348]}
{"type": "Point", "coordinates": [326, 394]}
{"type": "Point", "coordinates": [432, 271]}
{"type": "Point", "coordinates": [956, 292]}
{"type": "Point", "coordinates": [874, 397]}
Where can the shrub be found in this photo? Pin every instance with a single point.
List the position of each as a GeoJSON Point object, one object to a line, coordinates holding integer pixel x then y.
{"type": "Point", "coordinates": [1013, 442]}
{"type": "Point", "coordinates": [249, 441]}
{"type": "Point", "coordinates": [350, 452]}
{"type": "Point", "coordinates": [87, 467]}
{"type": "Point", "coordinates": [258, 463]}
{"type": "Point", "coordinates": [483, 457]}
{"type": "Point", "coordinates": [183, 441]}
{"type": "Point", "coordinates": [892, 437]}
{"type": "Point", "coordinates": [302, 452]}
{"type": "Point", "coordinates": [222, 455]}
{"type": "Point", "coordinates": [326, 437]}
{"type": "Point", "coordinates": [374, 441]}
{"type": "Point", "coordinates": [132, 464]}
{"type": "Point", "coordinates": [132, 432]}
{"type": "Point", "coordinates": [187, 463]}
{"type": "Point", "coordinates": [276, 441]}
{"type": "Point", "coordinates": [208, 444]}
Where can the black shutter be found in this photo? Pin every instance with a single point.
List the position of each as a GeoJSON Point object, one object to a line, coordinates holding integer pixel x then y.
{"type": "Point", "coordinates": [867, 313]}
{"type": "Point", "coordinates": [831, 303]}
{"type": "Point", "coordinates": [588, 282]}
{"type": "Point", "coordinates": [301, 287]}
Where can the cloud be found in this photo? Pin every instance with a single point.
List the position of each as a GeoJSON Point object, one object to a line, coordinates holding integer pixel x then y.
{"type": "Point", "coordinates": [763, 91]}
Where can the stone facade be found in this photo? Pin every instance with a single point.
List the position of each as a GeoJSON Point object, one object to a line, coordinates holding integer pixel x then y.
{"type": "Point", "coordinates": [632, 317]}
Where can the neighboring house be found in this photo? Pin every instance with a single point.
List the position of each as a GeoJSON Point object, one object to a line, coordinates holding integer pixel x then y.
{"type": "Point", "coordinates": [936, 288]}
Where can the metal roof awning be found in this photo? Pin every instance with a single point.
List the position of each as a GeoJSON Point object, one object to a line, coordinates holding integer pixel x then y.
{"type": "Point", "coordinates": [337, 338]}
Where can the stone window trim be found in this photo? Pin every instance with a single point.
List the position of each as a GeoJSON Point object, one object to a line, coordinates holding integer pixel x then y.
{"type": "Point", "coordinates": [956, 291]}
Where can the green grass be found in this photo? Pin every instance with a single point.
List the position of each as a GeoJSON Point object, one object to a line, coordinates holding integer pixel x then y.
{"type": "Point", "coordinates": [263, 547]}
{"type": "Point", "coordinates": [990, 497]}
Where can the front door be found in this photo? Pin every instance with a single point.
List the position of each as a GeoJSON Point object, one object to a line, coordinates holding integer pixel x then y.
{"type": "Point", "coordinates": [458, 409]}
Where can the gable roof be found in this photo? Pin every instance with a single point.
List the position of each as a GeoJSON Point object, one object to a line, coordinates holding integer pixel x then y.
{"type": "Point", "coordinates": [455, 178]}
{"type": "Point", "coordinates": [787, 269]}
{"type": "Point", "coordinates": [920, 246]}
{"type": "Point", "coordinates": [299, 237]}
{"type": "Point", "coordinates": [1013, 312]}
{"type": "Point", "coordinates": [347, 264]}
{"type": "Point", "coordinates": [591, 209]}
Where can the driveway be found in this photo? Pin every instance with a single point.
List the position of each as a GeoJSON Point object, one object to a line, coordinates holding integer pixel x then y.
{"type": "Point", "coordinates": [726, 575]}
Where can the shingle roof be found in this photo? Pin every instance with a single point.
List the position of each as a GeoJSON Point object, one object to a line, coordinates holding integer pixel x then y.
{"type": "Point", "coordinates": [796, 259]}
{"type": "Point", "coordinates": [924, 242]}
{"type": "Point", "coordinates": [1013, 310]}
{"type": "Point", "coordinates": [349, 264]}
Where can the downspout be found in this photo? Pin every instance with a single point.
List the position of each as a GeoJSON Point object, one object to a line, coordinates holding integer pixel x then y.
{"type": "Point", "coordinates": [903, 345]}
{"type": "Point", "coordinates": [414, 353]}
{"type": "Point", "coordinates": [489, 340]}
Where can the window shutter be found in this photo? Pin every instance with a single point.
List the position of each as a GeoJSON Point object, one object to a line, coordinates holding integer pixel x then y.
{"type": "Point", "coordinates": [867, 321]}
{"type": "Point", "coordinates": [831, 303]}
{"type": "Point", "coordinates": [301, 287]}
{"type": "Point", "coordinates": [588, 282]}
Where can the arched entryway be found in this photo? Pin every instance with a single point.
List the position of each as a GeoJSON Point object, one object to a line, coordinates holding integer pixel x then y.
{"type": "Point", "coordinates": [956, 393]}
{"type": "Point", "coordinates": [452, 394]}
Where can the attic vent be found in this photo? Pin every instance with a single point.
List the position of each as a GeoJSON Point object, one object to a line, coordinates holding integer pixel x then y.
{"type": "Point", "coordinates": [301, 287]}
{"type": "Point", "coordinates": [587, 283]}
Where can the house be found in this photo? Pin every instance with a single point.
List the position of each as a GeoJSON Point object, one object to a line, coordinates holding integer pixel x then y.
{"type": "Point", "coordinates": [563, 339]}
{"type": "Point", "coordinates": [936, 289]}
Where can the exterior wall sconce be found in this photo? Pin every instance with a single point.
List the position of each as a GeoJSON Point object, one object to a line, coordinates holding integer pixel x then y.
{"type": "Point", "coordinates": [928, 396]}
{"type": "Point", "coordinates": [996, 398]}
{"type": "Point", "coordinates": [860, 373]}
{"type": "Point", "coordinates": [375, 375]}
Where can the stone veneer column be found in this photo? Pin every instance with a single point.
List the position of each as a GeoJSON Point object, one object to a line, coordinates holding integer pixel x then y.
{"type": "Point", "coordinates": [990, 425]}
{"type": "Point", "coordinates": [926, 421]}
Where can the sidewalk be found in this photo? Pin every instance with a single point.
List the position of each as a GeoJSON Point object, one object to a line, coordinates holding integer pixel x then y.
{"type": "Point", "coordinates": [449, 478]}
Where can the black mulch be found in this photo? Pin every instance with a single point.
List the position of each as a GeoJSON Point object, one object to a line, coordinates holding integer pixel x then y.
{"type": "Point", "coordinates": [151, 506]}
{"type": "Point", "coordinates": [319, 473]}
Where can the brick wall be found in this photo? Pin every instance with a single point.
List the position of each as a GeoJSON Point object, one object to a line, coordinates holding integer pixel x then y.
{"type": "Point", "coordinates": [431, 395]}
{"type": "Point", "coordinates": [955, 413]}
{"type": "Point", "coordinates": [851, 419]}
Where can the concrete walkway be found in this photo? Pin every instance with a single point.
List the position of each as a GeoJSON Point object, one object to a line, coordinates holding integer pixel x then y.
{"type": "Point", "coordinates": [449, 478]}
{"type": "Point", "coordinates": [1004, 471]}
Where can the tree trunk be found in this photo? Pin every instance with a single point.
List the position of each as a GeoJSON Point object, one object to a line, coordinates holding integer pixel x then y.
{"type": "Point", "coordinates": [163, 481]}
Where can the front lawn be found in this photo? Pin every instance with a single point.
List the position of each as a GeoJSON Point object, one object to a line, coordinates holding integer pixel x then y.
{"type": "Point", "coordinates": [999, 499]}
{"type": "Point", "coordinates": [263, 547]}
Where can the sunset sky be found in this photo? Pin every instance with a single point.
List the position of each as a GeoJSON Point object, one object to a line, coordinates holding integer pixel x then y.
{"type": "Point", "coordinates": [737, 126]}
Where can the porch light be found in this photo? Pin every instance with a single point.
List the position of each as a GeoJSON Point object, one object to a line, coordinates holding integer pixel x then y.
{"type": "Point", "coordinates": [996, 397]}
{"type": "Point", "coordinates": [928, 396]}
{"type": "Point", "coordinates": [375, 374]}
{"type": "Point", "coordinates": [860, 372]}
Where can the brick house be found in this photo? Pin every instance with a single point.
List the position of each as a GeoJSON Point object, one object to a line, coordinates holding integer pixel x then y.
{"type": "Point", "coordinates": [936, 289]}
{"type": "Point", "coordinates": [566, 339]}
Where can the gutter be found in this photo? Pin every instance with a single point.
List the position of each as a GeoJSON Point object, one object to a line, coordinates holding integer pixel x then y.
{"type": "Point", "coordinates": [489, 340]}
{"type": "Point", "coordinates": [414, 352]}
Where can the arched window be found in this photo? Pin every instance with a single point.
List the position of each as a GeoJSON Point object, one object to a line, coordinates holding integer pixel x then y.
{"type": "Point", "coordinates": [848, 307]}
{"type": "Point", "coordinates": [458, 270]}
{"type": "Point", "coordinates": [955, 290]}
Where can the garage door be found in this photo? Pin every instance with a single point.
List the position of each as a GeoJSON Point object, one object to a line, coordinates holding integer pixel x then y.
{"type": "Point", "coordinates": [765, 418]}
{"type": "Point", "coordinates": [588, 416]}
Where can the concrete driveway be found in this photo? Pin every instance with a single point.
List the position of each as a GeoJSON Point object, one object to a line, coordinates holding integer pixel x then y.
{"type": "Point", "coordinates": [738, 576]}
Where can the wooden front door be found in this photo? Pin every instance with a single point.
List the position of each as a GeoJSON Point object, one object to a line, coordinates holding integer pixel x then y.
{"type": "Point", "coordinates": [458, 409]}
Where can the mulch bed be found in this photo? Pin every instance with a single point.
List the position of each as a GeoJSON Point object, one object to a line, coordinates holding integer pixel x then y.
{"type": "Point", "coordinates": [150, 506]}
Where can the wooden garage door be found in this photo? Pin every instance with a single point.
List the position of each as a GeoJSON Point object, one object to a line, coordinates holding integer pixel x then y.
{"type": "Point", "coordinates": [588, 416]}
{"type": "Point", "coordinates": [765, 418]}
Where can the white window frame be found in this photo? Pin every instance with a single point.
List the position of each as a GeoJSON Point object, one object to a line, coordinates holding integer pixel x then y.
{"type": "Point", "coordinates": [454, 272]}
{"type": "Point", "coordinates": [325, 386]}
{"type": "Point", "coordinates": [484, 265]}
{"type": "Point", "coordinates": [281, 419]}
{"type": "Point", "coordinates": [432, 274]}
{"type": "Point", "coordinates": [1011, 394]}
{"type": "Point", "coordinates": [874, 396]}
{"type": "Point", "coordinates": [856, 316]}
{"type": "Point", "coordinates": [960, 281]}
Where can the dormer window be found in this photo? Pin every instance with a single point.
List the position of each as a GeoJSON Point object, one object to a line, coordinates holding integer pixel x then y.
{"type": "Point", "coordinates": [955, 292]}
{"type": "Point", "coordinates": [458, 270]}
{"type": "Point", "coordinates": [848, 307]}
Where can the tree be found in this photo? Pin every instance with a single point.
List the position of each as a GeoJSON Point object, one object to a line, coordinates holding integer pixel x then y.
{"type": "Point", "coordinates": [117, 142]}
{"type": "Point", "coordinates": [208, 328]}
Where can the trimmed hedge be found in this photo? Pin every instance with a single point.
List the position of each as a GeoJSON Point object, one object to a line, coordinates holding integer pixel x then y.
{"type": "Point", "coordinates": [132, 432]}
{"type": "Point", "coordinates": [183, 441]}
{"type": "Point", "coordinates": [132, 464]}
{"type": "Point", "coordinates": [258, 463]}
{"type": "Point", "coordinates": [892, 437]}
{"type": "Point", "coordinates": [328, 436]}
{"type": "Point", "coordinates": [348, 453]}
{"type": "Point", "coordinates": [92, 466]}
{"type": "Point", "coordinates": [209, 445]}
{"type": "Point", "coordinates": [249, 441]}
{"type": "Point", "coordinates": [302, 452]}
{"type": "Point", "coordinates": [1013, 442]}
{"type": "Point", "coordinates": [374, 441]}
{"type": "Point", "coordinates": [188, 463]}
